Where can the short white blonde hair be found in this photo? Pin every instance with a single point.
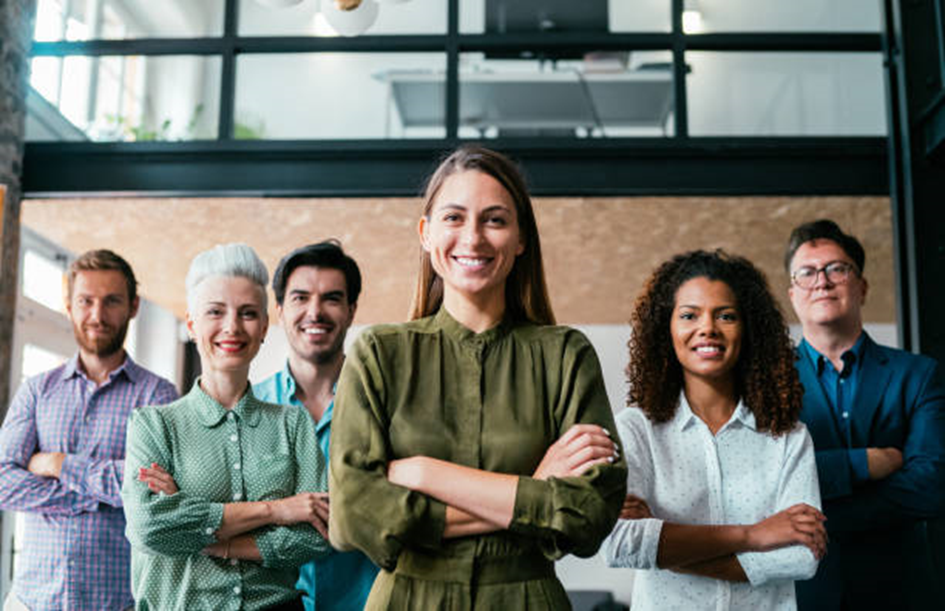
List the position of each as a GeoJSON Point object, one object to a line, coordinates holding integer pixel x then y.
{"type": "Point", "coordinates": [227, 260]}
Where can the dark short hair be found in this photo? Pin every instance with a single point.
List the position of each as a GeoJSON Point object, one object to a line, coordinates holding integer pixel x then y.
{"type": "Point", "coordinates": [103, 260]}
{"type": "Point", "coordinates": [824, 229]}
{"type": "Point", "coordinates": [327, 254]}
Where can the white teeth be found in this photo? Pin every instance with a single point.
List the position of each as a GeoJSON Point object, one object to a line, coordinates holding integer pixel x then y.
{"type": "Point", "coordinates": [314, 331]}
{"type": "Point", "coordinates": [470, 262]}
{"type": "Point", "coordinates": [709, 349]}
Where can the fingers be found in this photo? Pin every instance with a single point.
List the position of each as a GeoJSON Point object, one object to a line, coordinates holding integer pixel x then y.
{"type": "Point", "coordinates": [157, 479]}
{"type": "Point", "coordinates": [804, 508]}
{"type": "Point", "coordinates": [635, 508]}
{"type": "Point", "coordinates": [581, 468]}
{"type": "Point", "coordinates": [582, 429]}
{"type": "Point", "coordinates": [321, 510]}
{"type": "Point", "coordinates": [595, 454]}
{"type": "Point", "coordinates": [588, 446]}
{"type": "Point", "coordinates": [321, 528]}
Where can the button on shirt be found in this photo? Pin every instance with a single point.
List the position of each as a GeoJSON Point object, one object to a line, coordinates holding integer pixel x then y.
{"type": "Point", "coordinates": [687, 475]}
{"type": "Point", "coordinates": [840, 390]}
{"type": "Point", "coordinates": [342, 580]}
{"type": "Point", "coordinates": [75, 555]}
{"type": "Point", "coordinates": [255, 451]}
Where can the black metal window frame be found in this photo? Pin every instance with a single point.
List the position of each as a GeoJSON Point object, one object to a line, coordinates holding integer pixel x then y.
{"type": "Point", "coordinates": [678, 164]}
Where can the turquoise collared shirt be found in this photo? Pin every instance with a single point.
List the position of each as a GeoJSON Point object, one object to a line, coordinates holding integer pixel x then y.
{"type": "Point", "coordinates": [344, 579]}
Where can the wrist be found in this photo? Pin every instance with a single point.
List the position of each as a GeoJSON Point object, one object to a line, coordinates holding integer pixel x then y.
{"type": "Point", "coordinates": [272, 512]}
{"type": "Point", "coordinates": [746, 538]}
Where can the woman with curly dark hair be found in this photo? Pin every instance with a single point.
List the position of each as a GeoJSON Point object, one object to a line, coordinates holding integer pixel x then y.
{"type": "Point", "coordinates": [723, 482]}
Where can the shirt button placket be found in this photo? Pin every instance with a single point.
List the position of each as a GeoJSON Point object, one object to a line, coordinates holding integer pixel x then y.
{"type": "Point", "coordinates": [713, 476]}
{"type": "Point", "coordinates": [234, 458]}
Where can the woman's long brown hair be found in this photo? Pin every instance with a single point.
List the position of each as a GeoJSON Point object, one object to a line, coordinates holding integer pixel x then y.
{"type": "Point", "coordinates": [526, 293]}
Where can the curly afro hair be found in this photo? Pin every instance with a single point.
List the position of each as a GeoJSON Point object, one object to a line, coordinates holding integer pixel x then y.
{"type": "Point", "coordinates": [766, 379]}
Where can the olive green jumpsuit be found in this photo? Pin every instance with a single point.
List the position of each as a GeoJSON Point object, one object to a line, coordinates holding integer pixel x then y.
{"type": "Point", "coordinates": [494, 401]}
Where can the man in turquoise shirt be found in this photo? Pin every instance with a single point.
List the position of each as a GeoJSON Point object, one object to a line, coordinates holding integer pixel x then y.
{"type": "Point", "coordinates": [316, 289]}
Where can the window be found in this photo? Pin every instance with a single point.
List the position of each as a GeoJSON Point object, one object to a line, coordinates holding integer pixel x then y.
{"type": "Point", "coordinates": [551, 68]}
{"type": "Point", "coordinates": [42, 279]}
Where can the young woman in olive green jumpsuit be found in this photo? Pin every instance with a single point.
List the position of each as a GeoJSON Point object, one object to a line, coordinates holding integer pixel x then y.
{"type": "Point", "coordinates": [470, 447]}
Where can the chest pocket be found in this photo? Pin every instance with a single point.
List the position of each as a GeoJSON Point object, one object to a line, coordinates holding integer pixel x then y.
{"type": "Point", "coordinates": [270, 477]}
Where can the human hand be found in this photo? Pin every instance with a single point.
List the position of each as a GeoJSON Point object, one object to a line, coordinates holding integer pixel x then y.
{"type": "Point", "coordinates": [157, 479]}
{"type": "Point", "coordinates": [635, 508]}
{"type": "Point", "coordinates": [406, 472]}
{"type": "Point", "coordinates": [580, 448]}
{"type": "Point", "coordinates": [308, 507]}
{"type": "Point", "coordinates": [883, 462]}
{"type": "Point", "coordinates": [46, 464]}
{"type": "Point", "coordinates": [219, 549]}
{"type": "Point", "coordinates": [799, 524]}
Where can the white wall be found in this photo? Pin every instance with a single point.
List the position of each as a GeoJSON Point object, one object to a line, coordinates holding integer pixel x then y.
{"type": "Point", "coordinates": [157, 341]}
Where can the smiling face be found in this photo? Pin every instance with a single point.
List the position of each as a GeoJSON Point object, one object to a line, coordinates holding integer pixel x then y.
{"type": "Point", "coordinates": [827, 303]}
{"type": "Point", "coordinates": [316, 313]}
{"type": "Point", "coordinates": [706, 328]}
{"type": "Point", "coordinates": [228, 323]}
{"type": "Point", "coordinates": [100, 311]}
{"type": "Point", "coordinates": [472, 236]}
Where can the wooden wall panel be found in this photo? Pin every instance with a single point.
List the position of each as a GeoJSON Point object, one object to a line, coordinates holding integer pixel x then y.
{"type": "Point", "coordinates": [598, 251]}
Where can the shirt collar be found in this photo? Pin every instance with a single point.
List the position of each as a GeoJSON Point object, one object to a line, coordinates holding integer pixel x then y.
{"type": "Point", "coordinates": [850, 357]}
{"type": "Point", "coordinates": [211, 413]}
{"type": "Point", "coordinates": [288, 389]}
{"type": "Point", "coordinates": [288, 382]}
{"type": "Point", "coordinates": [444, 320]}
{"type": "Point", "coordinates": [128, 368]}
{"type": "Point", "coordinates": [685, 417]}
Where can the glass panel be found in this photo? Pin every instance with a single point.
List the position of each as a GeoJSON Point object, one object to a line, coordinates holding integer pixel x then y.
{"type": "Point", "coordinates": [311, 18]}
{"type": "Point", "coordinates": [784, 16]}
{"type": "Point", "coordinates": [37, 360]}
{"type": "Point", "coordinates": [336, 95]}
{"type": "Point", "coordinates": [786, 94]}
{"type": "Point", "coordinates": [131, 98]}
{"type": "Point", "coordinates": [121, 19]}
{"type": "Point", "coordinates": [500, 16]}
{"type": "Point", "coordinates": [606, 94]}
{"type": "Point", "coordinates": [42, 281]}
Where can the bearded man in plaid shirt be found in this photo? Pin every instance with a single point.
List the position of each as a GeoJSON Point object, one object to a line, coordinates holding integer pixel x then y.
{"type": "Point", "coordinates": [62, 451]}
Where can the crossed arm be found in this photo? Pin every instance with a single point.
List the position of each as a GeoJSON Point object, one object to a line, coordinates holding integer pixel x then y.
{"type": "Point", "coordinates": [480, 501]}
{"type": "Point", "coordinates": [709, 550]}
{"type": "Point", "coordinates": [280, 533]}
{"type": "Point", "coordinates": [234, 538]}
{"type": "Point", "coordinates": [55, 482]}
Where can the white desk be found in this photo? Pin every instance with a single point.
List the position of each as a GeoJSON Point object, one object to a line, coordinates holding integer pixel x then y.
{"type": "Point", "coordinates": [556, 100]}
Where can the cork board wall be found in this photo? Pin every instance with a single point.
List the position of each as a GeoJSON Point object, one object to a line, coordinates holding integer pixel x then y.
{"type": "Point", "coordinates": [598, 251]}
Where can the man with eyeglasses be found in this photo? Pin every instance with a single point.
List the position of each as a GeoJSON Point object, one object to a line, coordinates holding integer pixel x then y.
{"type": "Point", "coordinates": [877, 418]}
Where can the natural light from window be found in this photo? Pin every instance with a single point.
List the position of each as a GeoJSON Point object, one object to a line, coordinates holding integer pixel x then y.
{"type": "Point", "coordinates": [42, 280]}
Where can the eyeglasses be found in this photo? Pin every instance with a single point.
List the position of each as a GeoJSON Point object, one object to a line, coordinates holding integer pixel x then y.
{"type": "Point", "coordinates": [836, 272]}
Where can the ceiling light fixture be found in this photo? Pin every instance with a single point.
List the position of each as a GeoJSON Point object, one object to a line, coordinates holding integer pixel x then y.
{"type": "Point", "coordinates": [691, 18]}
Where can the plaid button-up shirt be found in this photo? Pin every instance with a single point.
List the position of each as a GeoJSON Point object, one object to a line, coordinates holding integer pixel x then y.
{"type": "Point", "coordinates": [75, 555]}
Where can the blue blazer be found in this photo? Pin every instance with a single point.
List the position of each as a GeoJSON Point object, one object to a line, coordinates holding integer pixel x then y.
{"type": "Point", "coordinates": [900, 402]}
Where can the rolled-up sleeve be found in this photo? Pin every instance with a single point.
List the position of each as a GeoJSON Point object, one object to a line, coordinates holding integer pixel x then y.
{"type": "Point", "coordinates": [574, 514]}
{"type": "Point", "coordinates": [173, 525]}
{"type": "Point", "coordinates": [635, 543]}
{"type": "Point", "coordinates": [288, 547]}
{"type": "Point", "coordinates": [368, 512]}
{"type": "Point", "coordinates": [798, 484]}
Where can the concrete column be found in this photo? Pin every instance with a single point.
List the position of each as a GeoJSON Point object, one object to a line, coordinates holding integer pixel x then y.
{"type": "Point", "coordinates": [16, 33]}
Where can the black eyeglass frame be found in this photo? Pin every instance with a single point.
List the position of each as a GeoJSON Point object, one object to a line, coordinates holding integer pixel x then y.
{"type": "Point", "coordinates": [835, 272]}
